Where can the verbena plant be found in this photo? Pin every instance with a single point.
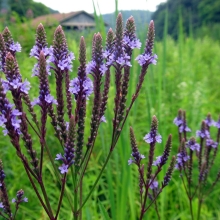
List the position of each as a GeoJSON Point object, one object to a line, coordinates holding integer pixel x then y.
{"type": "Point", "coordinates": [194, 173]}
{"type": "Point", "coordinates": [68, 120]}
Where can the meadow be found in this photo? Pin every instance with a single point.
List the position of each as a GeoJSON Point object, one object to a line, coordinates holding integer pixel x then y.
{"type": "Point", "coordinates": [186, 76]}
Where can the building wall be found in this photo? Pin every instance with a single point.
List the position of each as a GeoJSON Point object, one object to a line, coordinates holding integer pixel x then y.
{"type": "Point", "coordinates": [81, 18]}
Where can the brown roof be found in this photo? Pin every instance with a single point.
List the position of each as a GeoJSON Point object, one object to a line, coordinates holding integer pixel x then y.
{"type": "Point", "coordinates": [52, 19]}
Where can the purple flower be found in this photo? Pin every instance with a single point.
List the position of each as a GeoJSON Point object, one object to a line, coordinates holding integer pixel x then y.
{"type": "Point", "coordinates": [34, 52]}
{"type": "Point", "coordinates": [154, 184]}
{"type": "Point", "coordinates": [182, 158]}
{"type": "Point", "coordinates": [15, 122]}
{"type": "Point", "coordinates": [63, 169]}
{"type": "Point", "coordinates": [120, 60]}
{"type": "Point", "coordinates": [2, 121]}
{"type": "Point", "coordinates": [1, 205]}
{"type": "Point", "coordinates": [103, 119]}
{"type": "Point", "coordinates": [5, 85]}
{"type": "Point", "coordinates": [103, 69]}
{"type": "Point", "coordinates": [183, 128]}
{"type": "Point", "coordinates": [157, 161]}
{"type": "Point", "coordinates": [74, 86]}
{"type": "Point", "coordinates": [16, 47]}
{"type": "Point", "coordinates": [5, 132]}
{"type": "Point", "coordinates": [106, 53]}
{"type": "Point", "coordinates": [59, 157]}
{"type": "Point", "coordinates": [152, 137]}
{"type": "Point", "coordinates": [62, 64]}
{"type": "Point", "coordinates": [203, 134]}
{"type": "Point", "coordinates": [50, 99]}
{"type": "Point", "coordinates": [110, 60]}
{"type": "Point", "coordinates": [178, 121]}
{"type": "Point", "coordinates": [15, 112]}
{"type": "Point", "coordinates": [15, 83]}
{"type": "Point", "coordinates": [88, 87]}
{"type": "Point", "coordinates": [135, 43]}
{"type": "Point", "coordinates": [90, 66]}
{"type": "Point", "coordinates": [217, 124]}
{"type": "Point", "coordinates": [193, 145]}
{"type": "Point", "coordinates": [137, 158]}
{"type": "Point", "coordinates": [13, 200]}
{"type": "Point", "coordinates": [209, 121]}
{"type": "Point", "coordinates": [146, 59]}
{"type": "Point", "coordinates": [130, 161]}
{"type": "Point", "coordinates": [35, 102]}
{"type": "Point", "coordinates": [25, 199]}
{"type": "Point", "coordinates": [25, 87]}
{"type": "Point", "coordinates": [211, 143]}
{"type": "Point", "coordinates": [71, 57]}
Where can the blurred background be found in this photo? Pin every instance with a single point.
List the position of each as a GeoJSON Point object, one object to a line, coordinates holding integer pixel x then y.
{"type": "Point", "coordinates": [186, 76]}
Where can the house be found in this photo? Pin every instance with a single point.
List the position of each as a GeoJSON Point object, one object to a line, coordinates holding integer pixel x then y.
{"type": "Point", "coordinates": [73, 20]}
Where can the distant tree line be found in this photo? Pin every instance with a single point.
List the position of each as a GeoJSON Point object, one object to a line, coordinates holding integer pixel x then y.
{"type": "Point", "coordinates": [193, 14]}
{"type": "Point", "coordinates": [22, 9]}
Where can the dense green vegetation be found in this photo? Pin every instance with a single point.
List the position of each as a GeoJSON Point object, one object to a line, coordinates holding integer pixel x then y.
{"type": "Point", "coordinates": [195, 14]}
{"type": "Point", "coordinates": [22, 10]}
{"type": "Point", "coordinates": [186, 76]}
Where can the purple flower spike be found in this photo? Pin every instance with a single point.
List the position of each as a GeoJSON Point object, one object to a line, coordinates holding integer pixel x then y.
{"type": "Point", "coordinates": [15, 122]}
{"type": "Point", "coordinates": [16, 47]}
{"type": "Point", "coordinates": [153, 185]}
{"type": "Point", "coordinates": [50, 99]}
{"type": "Point", "coordinates": [182, 158]}
{"type": "Point", "coordinates": [15, 112]}
{"type": "Point", "coordinates": [35, 102]}
{"type": "Point", "coordinates": [209, 122]}
{"type": "Point", "coordinates": [63, 169]}
{"type": "Point", "coordinates": [150, 138]}
{"type": "Point", "coordinates": [203, 134]}
{"type": "Point", "coordinates": [25, 87]}
{"type": "Point", "coordinates": [183, 128]}
{"type": "Point", "coordinates": [217, 124]}
{"type": "Point", "coordinates": [211, 143]}
{"type": "Point", "coordinates": [103, 69]}
{"type": "Point", "coordinates": [157, 161]}
{"type": "Point", "coordinates": [178, 121]}
{"type": "Point", "coordinates": [15, 83]}
{"type": "Point", "coordinates": [146, 59]}
{"type": "Point", "coordinates": [193, 145]}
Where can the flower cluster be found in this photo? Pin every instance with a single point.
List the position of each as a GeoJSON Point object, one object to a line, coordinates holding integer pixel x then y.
{"type": "Point", "coordinates": [192, 145]}
{"type": "Point", "coordinates": [8, 117]}
{"type": "Point", "coordinates": [86, 87]}
{"type": "Point", "coordinates": [182, 158]}
{"type": "Point", "coordinates": [180, 121]}
{"type": "Point", "coordinates": [19, 197]}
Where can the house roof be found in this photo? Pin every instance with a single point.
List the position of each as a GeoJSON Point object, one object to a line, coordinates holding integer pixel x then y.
{"type": "Point", "coordinates": [52, 19]}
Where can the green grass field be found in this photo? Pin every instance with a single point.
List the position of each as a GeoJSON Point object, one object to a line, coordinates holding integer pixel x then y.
{"type": "Point", "coordinates": [187, 77]}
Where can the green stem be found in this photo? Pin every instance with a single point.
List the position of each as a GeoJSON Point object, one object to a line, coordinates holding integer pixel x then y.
{"type": "Point", "coordinates": [191, 210]}
{"type": "Point", "coordinates": [97, 180]}
{"type": "Point", "coordinates": [45, 196]}
{"type": "Point", "coordinates": [61, 195]}
{"type": "Point", "coordinates": [58, 176]}
{"type": "Point", "coordinates": [75, 198]}
{"type": "Point", "coordinates": [37, 193]}
{"type": "Point", "coordinates": [199, 209]}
